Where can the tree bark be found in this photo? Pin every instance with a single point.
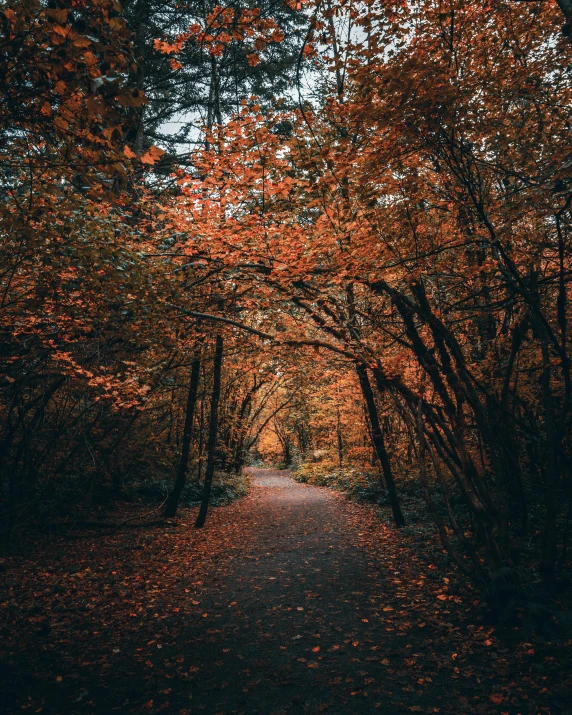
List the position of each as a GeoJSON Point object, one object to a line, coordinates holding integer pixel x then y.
{"type": "Point", "coordinates": [339, 437]}
{"type": "Point", "coordinates": [175, 495]}
{"type": "Point", "coordinates": [379, 444]}
{"type": "Point", "coordinates": [566, 7]}
{"type": "Point", "coordinates": [549, 532]}
{"type": "Point", "coordinates": [213, 429]}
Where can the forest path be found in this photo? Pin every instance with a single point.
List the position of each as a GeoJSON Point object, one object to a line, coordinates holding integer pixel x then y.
{"type": "Point", "coordinates": [303, 619]}
{"type": "Point", "coordinates": [296, 618]}
{"type": "Point", "coordinates": [292, 600]}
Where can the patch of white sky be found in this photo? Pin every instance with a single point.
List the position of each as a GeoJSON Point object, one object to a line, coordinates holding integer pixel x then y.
{"type": "Point", "coordinates": [314, 81]}
{"type": "Point", "coordinates": [307, 86]}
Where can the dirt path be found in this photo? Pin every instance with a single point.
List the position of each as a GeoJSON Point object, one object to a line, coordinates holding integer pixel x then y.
{"type": "Point", "coordinates": [295, 619]}
{"type": "Point", "coordinates": [293, 600]}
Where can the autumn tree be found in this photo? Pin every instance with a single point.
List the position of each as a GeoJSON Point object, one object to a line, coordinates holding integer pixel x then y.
{"type": "Point", "coordinates": [428, 246]}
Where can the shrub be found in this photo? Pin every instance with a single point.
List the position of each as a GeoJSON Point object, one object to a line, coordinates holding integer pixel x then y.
{"type": "Point", "coordinates": [226, 488]}
{"type": "Point", "coordinates": [357, 483]}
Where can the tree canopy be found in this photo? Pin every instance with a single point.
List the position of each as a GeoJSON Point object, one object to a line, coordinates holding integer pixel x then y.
{"type": "Point", "coordinates": [280, 230]}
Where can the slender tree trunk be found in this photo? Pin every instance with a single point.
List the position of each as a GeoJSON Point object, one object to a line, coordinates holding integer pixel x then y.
{"type": "Point", "coordinates": [201, 446]}
{"type": "Point", "coordinates": [431, 506]}
{"type": "Point", "coordinates": [175, 495]}
{"type": "Point", "coordinates": [549, 533]}
{"type": "Point", "coordinates": [339, 437]}
{"type": "Point", "coordinates": [379, 444]}
{"type": "Point", "coordinates": [213, 428]}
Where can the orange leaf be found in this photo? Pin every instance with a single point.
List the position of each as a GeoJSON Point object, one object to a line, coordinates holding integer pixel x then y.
{"type": "Point", "coordinates": [152, 155]}
{"type": "Point", "coordinates": [61, 123]}
{"type": "Point", "coordinates": [128, 153]}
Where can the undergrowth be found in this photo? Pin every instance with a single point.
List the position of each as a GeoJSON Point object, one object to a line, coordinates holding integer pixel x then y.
{"type": "Point", "coordinates": [226, 488]}
{"type": "Point", "coordinates": [354, 482]}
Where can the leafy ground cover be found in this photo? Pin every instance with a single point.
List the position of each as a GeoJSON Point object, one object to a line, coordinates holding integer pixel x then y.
{"type": "Point", "coordinates": [293, 599]}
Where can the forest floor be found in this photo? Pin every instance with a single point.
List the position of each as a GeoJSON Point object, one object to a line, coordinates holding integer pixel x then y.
{"type": "Point", "coordinates": [291, 600]}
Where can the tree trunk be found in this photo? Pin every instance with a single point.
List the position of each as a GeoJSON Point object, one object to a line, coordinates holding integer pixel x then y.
{"type": "Point", "coordinates": [201, 446]}
{"type": "Point", "coordinates": [549, 532]}
{"type": "Point", "coordinates": [213, 428]}
{"type": "Point", "coordinates": [339, 437]}
{"type": "Point", "coordinates": [566, 7]}
{"type": "Point", "coordinates": [379, 444]}
{"type": "Point", "coordinates": [175, 495]}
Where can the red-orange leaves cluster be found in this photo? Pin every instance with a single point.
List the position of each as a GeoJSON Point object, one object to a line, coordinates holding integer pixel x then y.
{"type": "Point", "coordinates": [64, 79]}
{"type": "Point", "coordinates": [224, 25]}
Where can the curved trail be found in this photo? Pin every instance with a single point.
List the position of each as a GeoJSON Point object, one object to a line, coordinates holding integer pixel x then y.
{"type": "Point", "coordinates": [299, 592]}
{"type": "Point", "coordinates": [295, 625]}
{"type": "Point", "coordinates": [292, 600]}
